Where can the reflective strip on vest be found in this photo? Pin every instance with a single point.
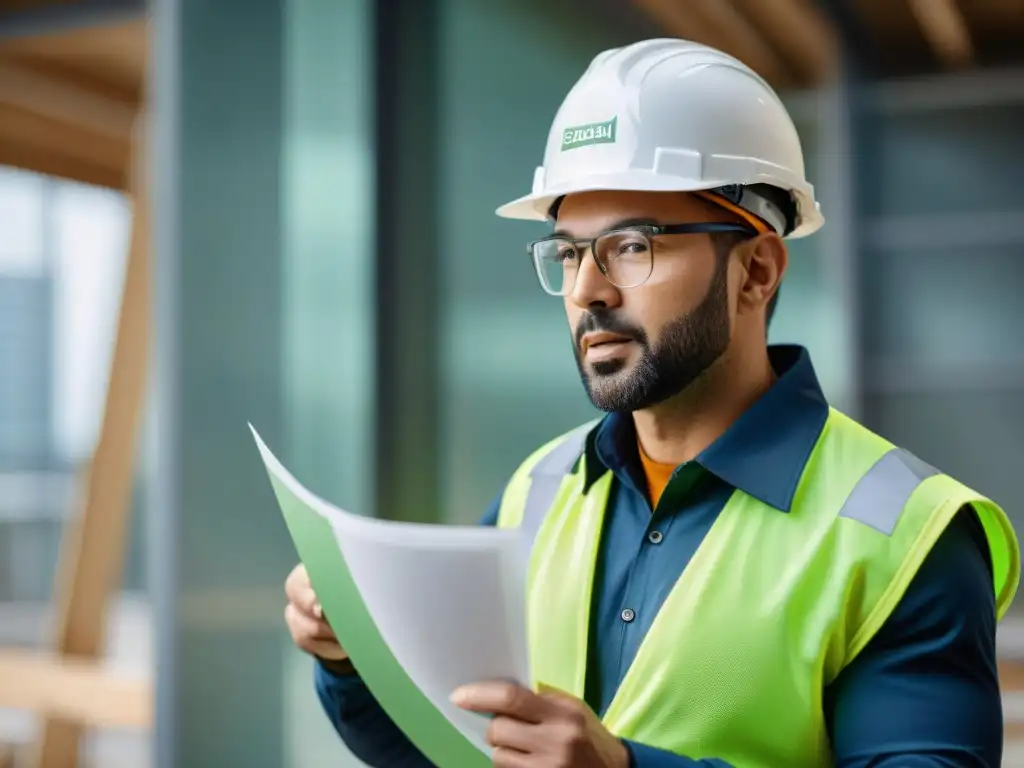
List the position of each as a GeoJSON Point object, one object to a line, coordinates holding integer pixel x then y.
{"type": "Point", "coordinates": [878, 498]}
{"type": "Point", "coordinates": [545, 479]}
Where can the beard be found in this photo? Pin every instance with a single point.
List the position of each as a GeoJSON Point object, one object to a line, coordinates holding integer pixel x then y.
{"type": "Point", "coordinates": [688, 346]}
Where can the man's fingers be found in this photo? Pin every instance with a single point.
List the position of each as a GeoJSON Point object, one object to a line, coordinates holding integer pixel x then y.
{"type": "Point", "coordinates": [305, 619]}
{"type": "Point", "coordinates": [328, 650]}
{"type": "Point", "coordinates": [509, 733]}
{"type": "Point", "coordinates": [315, 629]}
{"type": "Point", "coordinates": [305, 628]}
{"type": "Point", "coordinates": [501, 698]}
{"type": "Point", "coordinates": [504, 757]}
{"type": "Point", "coordinates": [299, 593]}
{"type": "Point", "coordinates": [560, 700]}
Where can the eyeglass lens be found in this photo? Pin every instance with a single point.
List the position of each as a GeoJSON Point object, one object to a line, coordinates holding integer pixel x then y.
{"type": "Point", "coordinates": [625, 257]}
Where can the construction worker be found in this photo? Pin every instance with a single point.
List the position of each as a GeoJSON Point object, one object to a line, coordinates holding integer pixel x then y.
{"type": "Point", "coordinates": [724, 571]}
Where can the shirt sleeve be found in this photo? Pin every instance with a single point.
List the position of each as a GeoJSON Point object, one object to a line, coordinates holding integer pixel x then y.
{"type": "Point", "coordinates": [360, 721]}
{"type": "Point", "coordinates": [362, 724]}
{"type": "Point", "coordinates": [642, 756]}
{"type": "Point", "coordinates": [924, 693]}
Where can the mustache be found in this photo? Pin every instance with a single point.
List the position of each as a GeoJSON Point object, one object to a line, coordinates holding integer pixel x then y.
{"type": "Point", "coordinates": [603, 320]}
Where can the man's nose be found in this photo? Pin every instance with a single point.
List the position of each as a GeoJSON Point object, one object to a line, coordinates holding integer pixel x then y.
{"type": "Point", "coordinates": [592, 288]}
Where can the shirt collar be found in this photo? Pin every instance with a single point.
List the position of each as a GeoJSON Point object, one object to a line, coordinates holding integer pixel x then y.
{"type": "Point", "coordinates": [762, 454]}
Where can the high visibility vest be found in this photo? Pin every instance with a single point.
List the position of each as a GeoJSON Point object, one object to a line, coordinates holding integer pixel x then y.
{"type": "Point", "coordinates": [771, 607]}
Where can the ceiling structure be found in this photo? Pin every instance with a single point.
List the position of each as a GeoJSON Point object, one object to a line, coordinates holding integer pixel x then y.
{"type": "Point", "coordinates": [69, 93]}
{"type": "Point", "coordinates": [926, 36]}
{"type": "Point", "coordinates": [69, 99]}
{"type": "Point", "coordinates": [795, 43]}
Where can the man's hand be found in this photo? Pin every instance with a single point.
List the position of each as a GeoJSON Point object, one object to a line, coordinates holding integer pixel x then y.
{"type": "Point", "coordinates": [305, 619]}
{"type": "Point", "coordinates": [553, 730]}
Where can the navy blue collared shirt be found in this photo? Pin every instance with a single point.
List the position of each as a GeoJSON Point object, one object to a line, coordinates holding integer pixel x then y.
{"type": "Point", "coordinates": [924, 693]}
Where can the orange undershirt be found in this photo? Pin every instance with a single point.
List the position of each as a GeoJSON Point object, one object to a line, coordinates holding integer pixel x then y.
{"type": "Point", "coordinates": [657, 475]}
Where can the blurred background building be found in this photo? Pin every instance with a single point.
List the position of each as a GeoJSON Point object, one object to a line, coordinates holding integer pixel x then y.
{"type": "Point", "coordinates": [323, 261]}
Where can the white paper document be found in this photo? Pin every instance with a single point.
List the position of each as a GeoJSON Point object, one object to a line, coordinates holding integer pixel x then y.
{"type": "Point", "coordinates": [449, 601]}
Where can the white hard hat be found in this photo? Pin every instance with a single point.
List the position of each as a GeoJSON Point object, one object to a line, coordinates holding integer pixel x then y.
{"type": "Point", "coordinates": [672, 115]}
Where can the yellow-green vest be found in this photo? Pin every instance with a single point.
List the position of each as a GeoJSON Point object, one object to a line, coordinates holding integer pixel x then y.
{"type": "Point", "coordinates": [769, 610]}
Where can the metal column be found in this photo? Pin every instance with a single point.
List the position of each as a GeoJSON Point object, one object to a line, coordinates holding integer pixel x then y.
{"type": "Point", "coordinates": [217, 550]}
{"type": "Point", "coordinates": [408, 267]}
{"type": "Point", "coordinates": [845, 134]}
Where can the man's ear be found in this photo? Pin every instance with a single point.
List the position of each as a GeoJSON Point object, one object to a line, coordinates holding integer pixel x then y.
{"type": "Point", "coordinates": [765, 259]}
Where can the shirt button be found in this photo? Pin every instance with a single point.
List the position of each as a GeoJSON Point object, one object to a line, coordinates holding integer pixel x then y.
{"type": "Point", "coordinates": [655, 537]}
{"type": "Point", "coordinates": [627, 615]}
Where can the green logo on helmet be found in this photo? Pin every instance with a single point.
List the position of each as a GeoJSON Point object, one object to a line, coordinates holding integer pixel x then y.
{"type": "Point", "coordinates": [585, 135]}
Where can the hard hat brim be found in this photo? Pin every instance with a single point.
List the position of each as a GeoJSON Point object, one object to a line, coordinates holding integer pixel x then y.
{"type": "Point", "coordinates": [537, 205]}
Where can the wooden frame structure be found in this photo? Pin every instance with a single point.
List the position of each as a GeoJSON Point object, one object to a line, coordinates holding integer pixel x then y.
{"type": "Point", "coordinates": [793, 43]}
{"type": "Point", "coordinates": [54, 121]}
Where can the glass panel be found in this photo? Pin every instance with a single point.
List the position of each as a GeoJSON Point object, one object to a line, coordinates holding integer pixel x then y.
{"type": "Point", "coordinates": [28, 552]}
{"type": "Point", "coordinates": [511, 376]}
{"type": "Point", "coordinates": [329, 234]}
{"type": "Point", "coordinates": [28, 533]}
{"type": "Point", "coordinates": [220, 298]}
{"type": "Point", "coordinates": [328, 300]}
{"type": "Point", "coordinates": [21, 223]}
{"type": "Point", "coordinates": [811, 313]}
{"type": "Point", "coordinates": [958, 159]}
{"type": "Point", "coordinates": [90, 227]}
{"type": "Point", "coordinates": [58, 320]}
{"type": "Point", "coordinates": [25, 365]}
{"type": "Point", "coordinates": [811, 309]}
{"type": "Point", "coordinates": [509, 382]}
{"type": "Point", "coordinates": [946, 308]}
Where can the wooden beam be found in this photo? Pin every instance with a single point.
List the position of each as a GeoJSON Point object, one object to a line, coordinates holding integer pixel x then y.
{"type": "Point", "coordinates": [60, 100]}
{"type": "Point", "coordinates": [93, 552]}
{"type": "Point", "coordinates": [677, 22]}
{"type": "Point", "coordinates": [720, 24]}
{"type": "Point", "coordinates": [801, 32]}
{"type": "Point", "coordinates": [53, 126]}
{"type": "Point", "coordinates": [43, 145]}
{"type": "Point", "coordinates": [74, 689]}
{"type": "Point", "coordinates": [945, 29]}
{"type": "Point", "coordinates": [46, 160]}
